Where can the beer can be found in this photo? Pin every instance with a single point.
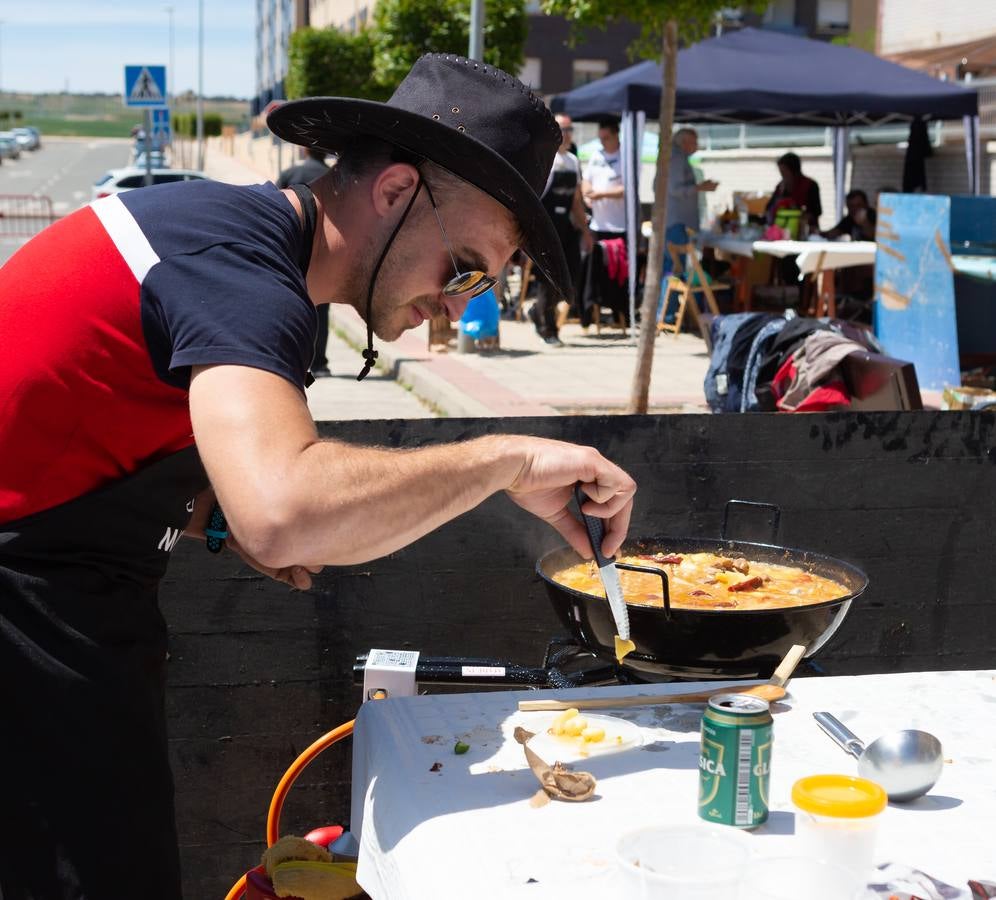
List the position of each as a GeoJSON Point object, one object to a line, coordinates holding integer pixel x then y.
{"type": "Point", "coordinates": [735, 760]}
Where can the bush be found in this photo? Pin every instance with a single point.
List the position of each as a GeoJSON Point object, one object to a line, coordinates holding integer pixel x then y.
{"type": "Point", "coordinates": [325, 62]}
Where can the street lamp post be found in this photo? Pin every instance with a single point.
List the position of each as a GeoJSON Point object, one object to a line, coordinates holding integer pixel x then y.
{"type": "Point", "coordinates": [170, 76]}
{"type": "Point", "coordinates": [200, 84]}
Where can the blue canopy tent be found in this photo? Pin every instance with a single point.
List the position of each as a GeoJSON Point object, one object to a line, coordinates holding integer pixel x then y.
{"type": "Point", "coordinates": [769, 78]}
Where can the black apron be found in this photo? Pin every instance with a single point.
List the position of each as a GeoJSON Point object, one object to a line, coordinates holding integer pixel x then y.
{"type": "Point", "coordinates": [88, 797]}
{"type": "Point", "coordinates": [87, 807]}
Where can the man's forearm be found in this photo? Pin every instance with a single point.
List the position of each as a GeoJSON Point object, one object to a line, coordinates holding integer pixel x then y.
{"type": "Point", "coordinates": [342, 504]}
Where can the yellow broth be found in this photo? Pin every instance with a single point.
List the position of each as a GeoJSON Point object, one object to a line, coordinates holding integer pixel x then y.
{"type": "Point", "coordinates": [708, 581]}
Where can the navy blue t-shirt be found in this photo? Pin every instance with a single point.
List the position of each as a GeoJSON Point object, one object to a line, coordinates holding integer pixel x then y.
{"type": "Point", "coordinates": [228, 287]}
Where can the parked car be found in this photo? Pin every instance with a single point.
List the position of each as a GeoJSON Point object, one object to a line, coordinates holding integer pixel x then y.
{"type": "Point", "coordinates": [29, 138]}
{"type": "Point", "coordinates": [117, 181]}
{"type": "Point", "coordinates": [9, 148]}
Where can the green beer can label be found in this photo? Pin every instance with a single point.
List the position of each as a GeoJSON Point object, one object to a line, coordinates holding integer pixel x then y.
{"type": "Point", "coordinates": [735, 761]}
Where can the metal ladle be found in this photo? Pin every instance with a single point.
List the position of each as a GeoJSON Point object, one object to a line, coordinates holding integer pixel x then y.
{"type": "Point", "coordinates": [906, 763]}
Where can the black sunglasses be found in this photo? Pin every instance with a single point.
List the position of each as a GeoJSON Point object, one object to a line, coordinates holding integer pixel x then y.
{"type": "Point", "coordinates": [473, 282]}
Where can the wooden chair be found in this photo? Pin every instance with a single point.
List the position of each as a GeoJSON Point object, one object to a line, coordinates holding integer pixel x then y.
{"type": "Point", "coordinates": [687, 279]}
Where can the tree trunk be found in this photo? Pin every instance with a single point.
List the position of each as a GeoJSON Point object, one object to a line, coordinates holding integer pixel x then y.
{"type": "Point", "coordinates": [655, 257]}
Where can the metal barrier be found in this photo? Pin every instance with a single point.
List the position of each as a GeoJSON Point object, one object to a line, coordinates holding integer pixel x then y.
{"type": "Point", "coordinates": [24, 215]}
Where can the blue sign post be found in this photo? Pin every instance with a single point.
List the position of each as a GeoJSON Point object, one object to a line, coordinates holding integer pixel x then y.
{"type": "Point", "coordinates": [160, 134]}
{"type": "Point", "coordinates": [145, 86]}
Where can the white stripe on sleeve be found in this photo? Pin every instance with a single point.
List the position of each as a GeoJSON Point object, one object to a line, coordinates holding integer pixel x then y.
{"type": "Point", "coordinates": [126, 234]}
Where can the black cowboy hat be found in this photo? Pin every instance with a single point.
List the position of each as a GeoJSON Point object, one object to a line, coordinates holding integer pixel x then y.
{"type": "Point", "coordinates": [474, 120]}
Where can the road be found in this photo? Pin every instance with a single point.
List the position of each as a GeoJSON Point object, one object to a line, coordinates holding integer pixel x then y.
{"type": "Point", "coordinates": [63, 170]}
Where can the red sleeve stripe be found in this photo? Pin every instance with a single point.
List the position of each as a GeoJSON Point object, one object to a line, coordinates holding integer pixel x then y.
{"type": "Point", "coordinates": [128, 237]}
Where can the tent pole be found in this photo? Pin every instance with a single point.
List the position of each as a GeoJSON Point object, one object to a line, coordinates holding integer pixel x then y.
{"type": "Point", "coordinates": [841, 151]}
{"type": "Point", "coordinates": [971, 125]}
{"type": "Point", "coordinates": [632, 133]}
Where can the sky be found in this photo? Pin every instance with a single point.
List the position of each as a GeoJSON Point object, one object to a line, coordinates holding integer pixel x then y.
{"type": "Point", "coordinates": [46, 45]}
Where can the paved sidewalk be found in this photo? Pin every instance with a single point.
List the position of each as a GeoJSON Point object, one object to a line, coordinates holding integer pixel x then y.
{"type": "Point", "coordinates": [378, 396]}
{"type": "Point", "coordinates": [526, 377]}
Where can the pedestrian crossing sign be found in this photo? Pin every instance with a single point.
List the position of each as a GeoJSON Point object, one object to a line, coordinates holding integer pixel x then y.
{"type": "Point", "coordinates": [145, 86]}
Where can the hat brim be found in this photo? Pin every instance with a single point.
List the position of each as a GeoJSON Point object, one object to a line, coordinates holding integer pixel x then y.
{"type": "Point", "coordinates": [324, 121]}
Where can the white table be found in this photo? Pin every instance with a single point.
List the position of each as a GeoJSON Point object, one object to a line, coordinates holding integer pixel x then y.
{"type": "Point", "coordinates": [468, 829]}
{"type": "Point", "coordinates": [813, 257]}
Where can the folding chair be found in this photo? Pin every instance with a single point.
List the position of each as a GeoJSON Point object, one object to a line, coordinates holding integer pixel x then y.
{"type": "Point", "coordinates": [687, 279]}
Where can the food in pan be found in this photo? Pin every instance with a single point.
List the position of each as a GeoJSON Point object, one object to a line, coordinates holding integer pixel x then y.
{"type": "Point", "coordinates": [709, 581]}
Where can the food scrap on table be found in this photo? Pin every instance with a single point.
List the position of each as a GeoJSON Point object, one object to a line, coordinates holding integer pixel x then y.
{"type": "Point", "coordinates": [557, 782]}
{"type": "Point", "coordinates": [435, 767]}
{"type": "Point", "coordinates": [460, 747]}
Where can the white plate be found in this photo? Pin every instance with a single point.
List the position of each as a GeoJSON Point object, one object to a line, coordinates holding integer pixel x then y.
{"type": "Point", "coordinates": [620, 734]}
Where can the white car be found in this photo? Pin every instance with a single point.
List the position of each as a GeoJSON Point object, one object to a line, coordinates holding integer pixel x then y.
{"type": "Point", "coordinates": [27, 138]}
{"type": "Point", "coordinates": [117, 181]}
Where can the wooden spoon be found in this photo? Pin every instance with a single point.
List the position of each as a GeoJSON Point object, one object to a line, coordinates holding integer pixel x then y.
{"type": "Point", "coordinates": [773, 689]}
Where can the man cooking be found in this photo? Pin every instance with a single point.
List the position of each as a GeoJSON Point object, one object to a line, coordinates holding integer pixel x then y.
{"type": "Point", "coordinates": [157, 350]}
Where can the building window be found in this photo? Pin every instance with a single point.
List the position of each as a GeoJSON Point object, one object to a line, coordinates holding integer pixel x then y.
{"type": "Point", "coordinates": [586, 70]}
{"type": "Point", "coordinates": [833, 15]}
{"type": "Point", "coordinates": [780, 14]}
{"type": "Point", "coordinates": [531, 72]}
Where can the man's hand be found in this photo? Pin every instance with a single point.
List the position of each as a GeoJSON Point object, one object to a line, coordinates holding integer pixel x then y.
{"type": "Point", "coordinates": [296, 576]}
{"type": "Point", "coordinates": [545, 485]}
{"type": "Point", "coordinates": [707, 185]}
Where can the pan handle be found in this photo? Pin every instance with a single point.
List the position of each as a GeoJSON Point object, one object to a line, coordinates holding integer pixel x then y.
{"type": "Point", "coordinates": [774, 508]}
{"type": "Point", "coordinates": [652, 570]}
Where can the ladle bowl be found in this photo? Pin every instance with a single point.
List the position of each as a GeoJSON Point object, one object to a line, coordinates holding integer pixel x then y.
{"type": "Point", "coordinates": [906, 763]}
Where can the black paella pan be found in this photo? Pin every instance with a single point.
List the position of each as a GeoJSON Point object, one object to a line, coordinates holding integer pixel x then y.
{"type": "Point", "coordinates": [705, 643]}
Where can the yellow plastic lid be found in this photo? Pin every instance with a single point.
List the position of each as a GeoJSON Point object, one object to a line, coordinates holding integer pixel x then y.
{"type": "Point", "coordinates": [840, 796]}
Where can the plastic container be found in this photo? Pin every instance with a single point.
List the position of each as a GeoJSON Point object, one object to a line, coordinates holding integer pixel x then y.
{"type": "Point", "coordinates": [682, 862]}
{"type": "Point", "coordinates": [792, 878]}
{"type": "Point", "coordinates": [837, 820]}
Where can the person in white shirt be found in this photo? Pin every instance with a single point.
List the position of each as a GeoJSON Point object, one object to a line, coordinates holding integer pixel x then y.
{"type": "Point", "coordinates": [602, 187]}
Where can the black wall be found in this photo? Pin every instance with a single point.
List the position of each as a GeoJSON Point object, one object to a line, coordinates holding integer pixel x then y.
{"type": "Point", "coordinates": [257, 671]}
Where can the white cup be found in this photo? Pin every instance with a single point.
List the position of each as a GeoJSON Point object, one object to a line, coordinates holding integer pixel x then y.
{"type": "Point", "coordinates": [682, 862]}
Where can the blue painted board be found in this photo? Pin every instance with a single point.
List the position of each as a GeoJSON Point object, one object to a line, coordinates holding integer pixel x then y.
{"type": "Point", "coordinates": [914, 286]}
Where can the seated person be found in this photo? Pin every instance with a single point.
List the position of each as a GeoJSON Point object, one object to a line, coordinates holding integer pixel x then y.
{"type": "Point", "coordinates": [795, 191]}
{"type": "Point", "coordinates": [859, 223]}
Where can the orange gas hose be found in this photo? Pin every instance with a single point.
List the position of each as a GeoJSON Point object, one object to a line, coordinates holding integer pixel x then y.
{"type": "Point", "coordinates": [291, 775]}
{"type": "Point", "coordinates": [284, 786]}
{"type": "Point", "coordinates": [236, 892]}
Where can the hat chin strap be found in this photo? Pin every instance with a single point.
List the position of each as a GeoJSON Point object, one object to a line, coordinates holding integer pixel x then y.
{"type": "Point", "coordinates": [370, 355]}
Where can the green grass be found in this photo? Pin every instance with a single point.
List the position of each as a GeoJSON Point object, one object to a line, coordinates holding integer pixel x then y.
{"type": "Point", "coordinates": [97, 115]}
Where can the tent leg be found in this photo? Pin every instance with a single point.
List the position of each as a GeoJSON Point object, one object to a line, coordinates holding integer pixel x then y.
{"type": "Point", "coordinates": [841, 152]}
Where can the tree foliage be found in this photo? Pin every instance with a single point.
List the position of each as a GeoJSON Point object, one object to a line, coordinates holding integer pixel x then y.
{"type": "Point", "coordinates": [405, 29]}
{"type": "Point", "coordinates": [326, 62]}
{"type": "Point", "coordinates": [695, 18]}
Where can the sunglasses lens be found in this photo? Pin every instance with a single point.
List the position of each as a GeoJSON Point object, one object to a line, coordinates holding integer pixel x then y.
{"type": "Point", "coordinates": [467, 282]}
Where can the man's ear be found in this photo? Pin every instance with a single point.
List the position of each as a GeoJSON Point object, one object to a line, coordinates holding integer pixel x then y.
{"type": "Point", "coordinates": [393, 186]}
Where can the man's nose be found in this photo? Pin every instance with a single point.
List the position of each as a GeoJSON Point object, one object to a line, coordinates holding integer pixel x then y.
{"type": "Point", "coordinates": [455, 306]}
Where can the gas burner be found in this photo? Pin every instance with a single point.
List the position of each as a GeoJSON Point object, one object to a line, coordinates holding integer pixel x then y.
{"type": "Point", "coordinates": [566, 664]}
